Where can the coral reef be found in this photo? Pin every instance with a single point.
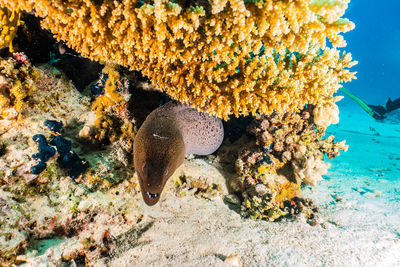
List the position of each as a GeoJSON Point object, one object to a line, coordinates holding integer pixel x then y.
{"type": "Point", "coordinates": [268, 58]}
{"type": "Point", "coordinates": [283, 151]}
{"type": "Point", "coordinates": [326, 114]}
{"type": "Point", "coordinates": [9, 22]}
{"type": "Point", "coordinates": [223, 57]}
{"type": "Point", "coordinates": [2, 149]}
{"type": "Point", "coordinates": [64, 208]}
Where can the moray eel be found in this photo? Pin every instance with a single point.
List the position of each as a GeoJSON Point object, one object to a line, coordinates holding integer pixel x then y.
{"type": "Point", "coordinates": [165, 137]}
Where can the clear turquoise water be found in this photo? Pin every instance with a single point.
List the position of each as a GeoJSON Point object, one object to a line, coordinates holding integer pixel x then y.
{"type": "Point", "coordinates": [373, 160]}
{"type": "Point", "coordinates": [375, 44]}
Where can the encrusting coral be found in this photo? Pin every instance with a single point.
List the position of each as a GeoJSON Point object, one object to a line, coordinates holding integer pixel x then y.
{"type": "Point", "coordinates": [223, 57]}
{"type": "Point", "coordinates": [326, 114]}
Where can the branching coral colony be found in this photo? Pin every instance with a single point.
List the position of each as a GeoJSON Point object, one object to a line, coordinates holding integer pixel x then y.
{"type": "Point", "coordinates": [223, 57]}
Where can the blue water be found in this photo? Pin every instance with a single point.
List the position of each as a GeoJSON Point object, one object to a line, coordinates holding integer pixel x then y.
{"type": "Point", "coordinates": [375, 44]}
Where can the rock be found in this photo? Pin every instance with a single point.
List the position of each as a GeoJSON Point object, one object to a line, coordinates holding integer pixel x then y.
{"type": "Point", "coordinates": [261, 189]}
{"type": "Point", "coordinates": [232, 199]}
{"type": "Point", "coordinates": [232, 261]}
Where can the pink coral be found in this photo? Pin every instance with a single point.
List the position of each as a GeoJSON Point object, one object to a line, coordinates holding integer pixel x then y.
{"type": "Point", "coordinates": [21, 57]}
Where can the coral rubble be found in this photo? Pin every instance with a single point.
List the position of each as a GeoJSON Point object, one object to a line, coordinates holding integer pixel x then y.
{"type": "Point", "coordinates": [223, 57]}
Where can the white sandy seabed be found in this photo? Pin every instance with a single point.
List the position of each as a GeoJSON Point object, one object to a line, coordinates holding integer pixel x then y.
{"type": "Point", "coordinates": [359, 203]}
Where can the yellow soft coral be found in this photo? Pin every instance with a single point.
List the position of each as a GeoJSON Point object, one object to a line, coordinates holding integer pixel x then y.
{"type": "Point", "coordinates": [9, 22]}
{"type": "Point", "coordinates": [286, 191]}
{"type": "Point", "coordinates": [221, 56]}
{"type": "Point", "coordinates": [112, 121]}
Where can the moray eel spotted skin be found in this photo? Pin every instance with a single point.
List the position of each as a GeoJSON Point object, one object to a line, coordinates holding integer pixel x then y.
{"type": "Point", "coordinates": [165, 137]}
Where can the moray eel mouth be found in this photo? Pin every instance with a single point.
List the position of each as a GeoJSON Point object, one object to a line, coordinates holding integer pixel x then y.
{"type": "Point", "coordinates": [150, 197]}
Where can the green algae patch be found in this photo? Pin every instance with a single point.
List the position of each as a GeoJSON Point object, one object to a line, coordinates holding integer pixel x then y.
{"type": "Point", "coordinates": [39, 247]}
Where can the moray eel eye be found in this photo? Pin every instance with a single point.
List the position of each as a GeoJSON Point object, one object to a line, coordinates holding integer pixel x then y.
{"type": "Point", "coordinates": [143, 167]}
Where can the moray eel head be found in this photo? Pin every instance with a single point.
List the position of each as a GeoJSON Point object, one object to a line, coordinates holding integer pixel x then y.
{"type": "Point", "coordinates": [152, 179]}
{"type": "Point", "coordinates": [156, 157]}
